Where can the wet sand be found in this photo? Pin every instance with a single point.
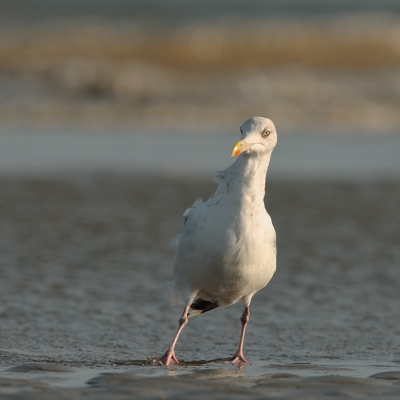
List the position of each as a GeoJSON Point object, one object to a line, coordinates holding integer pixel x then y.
{"type": "Point", "coordinates": [84, 265]}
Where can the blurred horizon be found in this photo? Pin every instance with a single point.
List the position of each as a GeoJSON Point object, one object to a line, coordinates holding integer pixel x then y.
{"type": "Point", "coordinates": [319, 65]}
{"type": "Point", "coordinates": [185, 10]}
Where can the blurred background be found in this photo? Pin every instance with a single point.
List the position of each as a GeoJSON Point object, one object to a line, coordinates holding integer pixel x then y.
{"type": "Point", "coordinates": [305, 63]}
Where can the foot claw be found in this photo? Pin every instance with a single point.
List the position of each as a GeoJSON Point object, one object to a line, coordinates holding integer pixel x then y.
{"type": "Point", "coordinates": [239, 360]}
{"type": "Point", "coordinates": [168, 358]}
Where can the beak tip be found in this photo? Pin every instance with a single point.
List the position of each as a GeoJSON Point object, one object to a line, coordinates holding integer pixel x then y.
{"type": "Point", "coordinates": [239, 147]}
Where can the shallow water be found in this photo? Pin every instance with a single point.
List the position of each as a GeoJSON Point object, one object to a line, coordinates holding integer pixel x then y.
{"type": "Point", "coordinates": [188, 153]}
{"type": "Point", "coordinates": [85, 261]}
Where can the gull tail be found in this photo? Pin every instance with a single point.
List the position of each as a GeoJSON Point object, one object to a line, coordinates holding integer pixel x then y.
{"type": "Point", "coordinates": [200, 306]}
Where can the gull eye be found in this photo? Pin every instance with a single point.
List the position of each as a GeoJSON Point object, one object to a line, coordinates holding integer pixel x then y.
{"type": "Point", "coordinates": [265, 133]}
{"type": "Point", "coordinates": [241, 131]}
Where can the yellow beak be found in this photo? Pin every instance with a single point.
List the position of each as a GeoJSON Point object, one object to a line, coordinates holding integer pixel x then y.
{"type": "Point", "coordinates": [239, 147]}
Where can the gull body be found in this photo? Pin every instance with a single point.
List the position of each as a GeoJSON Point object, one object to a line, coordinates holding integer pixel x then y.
{"type": "Point", "coordinates": [227, 251]}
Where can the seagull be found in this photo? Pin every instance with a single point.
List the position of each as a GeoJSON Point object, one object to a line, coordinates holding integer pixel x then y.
{"type": "Point", "coordinates": [227, 251]}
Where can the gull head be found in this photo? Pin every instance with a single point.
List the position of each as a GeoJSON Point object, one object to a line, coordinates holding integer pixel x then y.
{"type": "Point", "coordinates": [258, 137]}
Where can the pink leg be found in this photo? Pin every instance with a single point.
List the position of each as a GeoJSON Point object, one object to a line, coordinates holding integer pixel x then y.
{"type": "Point", "coordinates": [169, 356]}
{"type": "Point", "coordinates": [238, 358]}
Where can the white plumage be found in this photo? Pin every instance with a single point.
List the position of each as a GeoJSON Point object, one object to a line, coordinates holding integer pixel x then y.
{"type": "Point", "coordinates": [227, 251]}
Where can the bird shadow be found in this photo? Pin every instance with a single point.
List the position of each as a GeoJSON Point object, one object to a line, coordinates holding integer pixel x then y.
{"type": "Point", "coordinates": [153, 362]}
{"type": "Point", "coordinates": [198, 363]}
